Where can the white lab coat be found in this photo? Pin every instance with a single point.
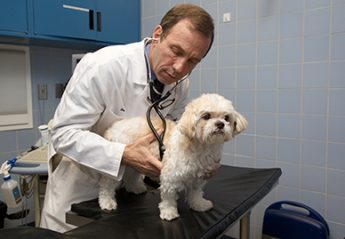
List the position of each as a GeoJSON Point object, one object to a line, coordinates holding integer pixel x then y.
{"type": "Point", "coordinates": [107, 85]}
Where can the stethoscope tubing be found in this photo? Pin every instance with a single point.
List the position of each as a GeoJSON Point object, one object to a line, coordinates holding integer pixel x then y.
{"type": "Point", "coordinates": [158, 105]}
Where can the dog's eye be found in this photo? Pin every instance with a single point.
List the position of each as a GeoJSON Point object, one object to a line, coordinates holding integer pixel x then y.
{"type": "Point", "coordinates": [227, 118]}
{"type": "Point", "coordinates": [206, 116]}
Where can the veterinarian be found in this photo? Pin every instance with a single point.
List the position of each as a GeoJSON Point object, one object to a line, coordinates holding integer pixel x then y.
{"type": "Point", "coordinates": [111, 84]}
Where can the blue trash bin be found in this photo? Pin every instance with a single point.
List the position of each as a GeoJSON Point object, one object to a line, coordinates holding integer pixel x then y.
{"type": "Point", "coordinates": [293, 220]}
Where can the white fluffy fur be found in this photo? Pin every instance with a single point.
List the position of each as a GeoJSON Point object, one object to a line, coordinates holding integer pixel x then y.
{"type": "Point", "coordinates": [193, 150]}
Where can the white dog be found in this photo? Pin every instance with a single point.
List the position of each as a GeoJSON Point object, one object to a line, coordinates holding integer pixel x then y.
{"type": "Point", "coordinates": [193, 150]}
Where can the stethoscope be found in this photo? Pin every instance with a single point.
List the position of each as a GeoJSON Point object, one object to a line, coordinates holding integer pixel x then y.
{"type": "Point", "coordinates": [159, 104]}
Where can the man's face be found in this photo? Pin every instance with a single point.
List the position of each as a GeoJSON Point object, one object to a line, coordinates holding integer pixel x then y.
{"type": "Point", "coordinates": [178, 53]}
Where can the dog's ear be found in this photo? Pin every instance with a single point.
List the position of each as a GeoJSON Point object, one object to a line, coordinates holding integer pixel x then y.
{"type": "Point", "coordinates": [186, 124]}
{"type": "Point", "coordinates": [240, 123]}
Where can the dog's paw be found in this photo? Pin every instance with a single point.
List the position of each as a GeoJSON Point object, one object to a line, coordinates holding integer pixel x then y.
{"type": "Point", "coordinates": [137, 188]}
{"type": "Point", "coordinates": [107, 204]}
{"type": "Point", "coordinates": [201, 205]}
{"type": "Point", "coordinates": [169, 213]}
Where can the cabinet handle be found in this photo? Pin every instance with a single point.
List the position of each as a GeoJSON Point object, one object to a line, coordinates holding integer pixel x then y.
{"type": "Point", "coordinates": [99, 21]}
{"type": "Point", "coordinates": [81, 9]}
{"type": "Point", "coordinates": [91, 22]}
{"type": "Point", "coordinates": [75, 8]}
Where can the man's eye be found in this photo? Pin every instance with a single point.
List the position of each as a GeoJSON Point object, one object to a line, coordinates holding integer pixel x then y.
{"type": "Point", "coordinates": [206, 116]}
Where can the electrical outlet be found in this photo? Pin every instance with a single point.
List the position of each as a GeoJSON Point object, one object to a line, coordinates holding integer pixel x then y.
{"type": "Point", "coordinates": [42, 91]}
{"type": "Point", "coordinates": [227, 17]}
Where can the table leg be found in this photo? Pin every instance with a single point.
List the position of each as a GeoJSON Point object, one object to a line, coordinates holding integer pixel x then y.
{"type": "Point", "coordinates": [245, 226]}
{"type": "Point", "coordinates": [37, 201]}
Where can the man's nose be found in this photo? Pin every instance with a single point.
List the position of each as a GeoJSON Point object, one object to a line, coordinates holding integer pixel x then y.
{"type": "Point", "coordinates": [180, 66]}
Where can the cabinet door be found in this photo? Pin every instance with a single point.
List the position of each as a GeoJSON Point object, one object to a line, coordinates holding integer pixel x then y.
{"type": "Point", "coordinates": [13, 17]}
{"type": "Point", "coordinates": [118, 21]}
{"type": "Point", "coordinates": [65, 18]}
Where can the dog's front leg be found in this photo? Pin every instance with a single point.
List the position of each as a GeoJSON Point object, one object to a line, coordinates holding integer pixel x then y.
{"type": "Point", "coordinates": [106, 195]}
{"type": "Point", "coordinates": [196, 200]}
{"type": "Point", "coordinates": [168, 205]}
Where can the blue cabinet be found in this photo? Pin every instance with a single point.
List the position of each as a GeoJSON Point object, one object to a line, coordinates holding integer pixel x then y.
{"type": "Point", "coordinates": [92, 21]}
{"type": "Point", "coordinates": [115, 21]}
{"type": "Point", "coordinates": [64, 18]}
{"type": "Point", "coordinates": [13, 17]}
{"type": "Point", "coordinates": [118, 20]}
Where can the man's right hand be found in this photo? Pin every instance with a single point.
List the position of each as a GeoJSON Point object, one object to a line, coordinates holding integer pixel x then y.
{"type": "Point", "coordinates": [139, 157]}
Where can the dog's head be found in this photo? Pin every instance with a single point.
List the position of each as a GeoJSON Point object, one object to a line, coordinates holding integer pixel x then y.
{"type": "Point", "coordinates": [211, 119]}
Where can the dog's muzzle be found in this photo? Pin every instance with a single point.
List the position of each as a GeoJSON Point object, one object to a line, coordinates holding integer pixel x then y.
{"type": "Point", "coordinates": [220, 125]}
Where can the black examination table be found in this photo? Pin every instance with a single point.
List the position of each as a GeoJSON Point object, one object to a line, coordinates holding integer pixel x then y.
{"type": "Point", "coordinates": [234, 191]}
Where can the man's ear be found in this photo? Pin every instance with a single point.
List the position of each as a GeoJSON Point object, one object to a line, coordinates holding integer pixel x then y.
{"type": "Point", "coordinates": [157, 32]}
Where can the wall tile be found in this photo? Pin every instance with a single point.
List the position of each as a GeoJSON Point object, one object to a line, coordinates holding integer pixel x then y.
{"type": "Point", "coordinates": [335, 182]}
{"type": "Point", "coordinates": [334, 203]}
{"type": "Point", "coordinates": [245, 145]}
{"type": "Point", "coordinates": [245, 100]}
{"type": "Point", "coordinates": [310, 4]}
{"type": "Point", "coordinates": [316, 48]}
{"type": "Point", "coordinates": [314, 127]}
{"type": "Point", "coordinates": [289, 151]}
{"type": "Point", "coordinates": [335, 156]}
{"type": "Point", "coordinates": [208, 80]}
{"type": "Point", "coordinates": [226, 78]}
{"type": "Point", "coordinates": [313, 178]}
{"type": "Point", "coordinates": [245, 77]}
{"type": "Point", "coordinates": [266, 77]}
{"type": "Point", "coordinates": [291, 6]}
{"type": "Point", "coordinates": [338, 47]}
{"type": "Point", "coordinates": [290, 76]}
{"type": "Point", "coordinates": [227, 56]}
{"type": "Point", "coordinates": [291, 25]}
{"type": "Point", "coordinates": [314, 153]}
{"type": "Point", "coordinates": [315, 101]}
{"type": "Point", "coordinates": [246, 9]}
{"type": "Point", "coordinates": [289, 126]}
{"type": "Point", "coordinates": [265, 102]}
{"type": "Point", "coordinates": [268, 28]}
{"type": "Point", "coordinates": [317, 21]}
{"type": "Point", "coordinates": [266, 124]}
{"type": "Point", "coordinates": [315, 75]}
{"type": "Point", "coordinates": [227, 33]}
{"type": "Point", "coordinates": [336, 102]}
{"type": "Point", "coordinates": [337, 72]}
{"type": "Point", "coordinates": [246, 55]}
{"type": "Point", "coordinates": [336, 129]}
{"type": "Point", "coordinates": [267, 8]}
{"type": "Point", "coordinates": [266, 148]}
{"type": "Point", "coordinates": [290, 50]}
{"type": "Point", "coordinates": [338, 18]}
{"type": "Point", "coordinates": [246, 31]}
{"type": "Point", "coordinates": [289, 101]}
{"type": "Point", "coordinates": [267, 53]}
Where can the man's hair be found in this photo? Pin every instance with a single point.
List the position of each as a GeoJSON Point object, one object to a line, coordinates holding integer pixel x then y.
{"type": "Point", "coordinates": [200, 19]}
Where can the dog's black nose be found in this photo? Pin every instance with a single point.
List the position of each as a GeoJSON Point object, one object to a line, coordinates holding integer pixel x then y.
{"type": "Point", "coordinates": [220, 125]}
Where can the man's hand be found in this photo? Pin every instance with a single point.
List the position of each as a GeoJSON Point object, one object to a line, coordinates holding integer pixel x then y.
{"type": "Point", "coordinates": [139, 157]}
